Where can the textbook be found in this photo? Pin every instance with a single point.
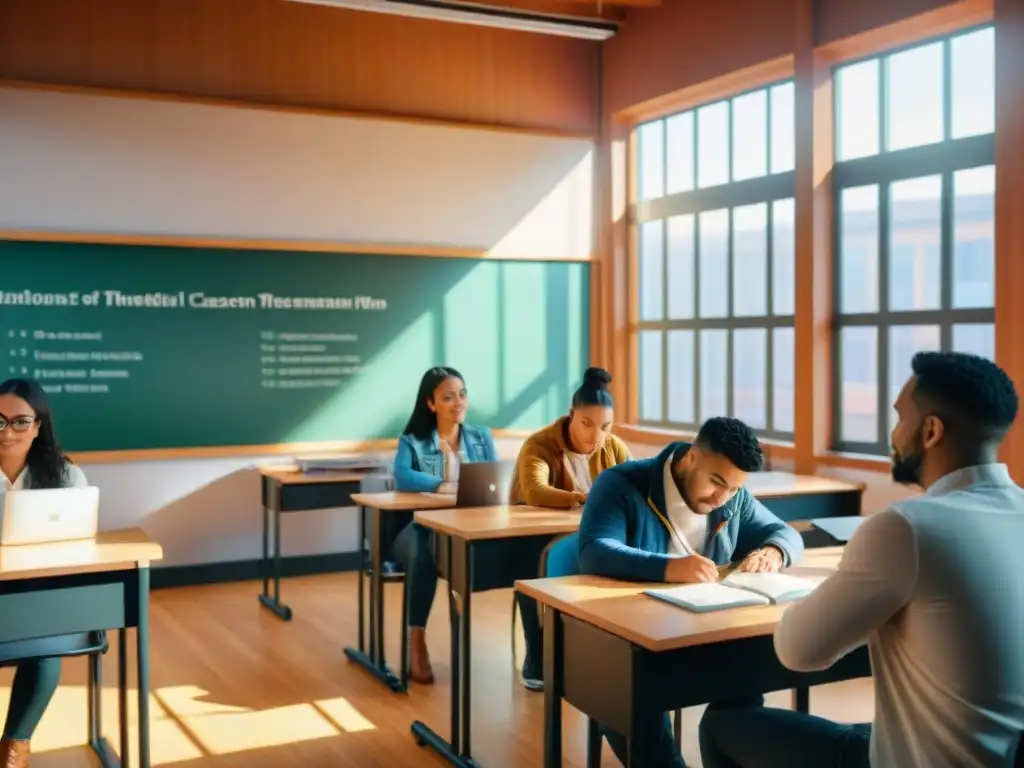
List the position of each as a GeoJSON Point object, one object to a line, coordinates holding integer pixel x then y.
{"type": "Point", "coordinates": [736, 590]}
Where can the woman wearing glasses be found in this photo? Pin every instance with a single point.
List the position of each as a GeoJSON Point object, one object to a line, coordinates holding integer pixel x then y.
{"type": "Point", "coordinates": [30, 457]}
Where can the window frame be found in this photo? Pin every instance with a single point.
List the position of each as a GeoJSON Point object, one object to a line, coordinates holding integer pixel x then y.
{"type": "Point", "coordinates": [767, 190]}
{"type": "Point", "coordinates": [944, 158]}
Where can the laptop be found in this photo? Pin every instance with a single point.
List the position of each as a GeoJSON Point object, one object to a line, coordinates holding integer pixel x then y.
{"type": "Point", "coordinates": [484, 483]}
{"type": "Point", "coordinates": [44, 515]}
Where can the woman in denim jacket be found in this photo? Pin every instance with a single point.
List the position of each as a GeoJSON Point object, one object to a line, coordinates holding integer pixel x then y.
{"type": "Point", "coordinates": [434, 444]}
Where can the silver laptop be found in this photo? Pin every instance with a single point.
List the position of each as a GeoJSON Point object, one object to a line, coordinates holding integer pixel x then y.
{"type": "Point", "coordinates": [38, 516]}
{"type": "Point", "coordinates": [484, 483]}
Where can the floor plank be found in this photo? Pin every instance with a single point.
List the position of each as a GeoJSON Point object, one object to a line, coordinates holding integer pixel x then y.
{"type": "Point", "coordinates": [235, 687]}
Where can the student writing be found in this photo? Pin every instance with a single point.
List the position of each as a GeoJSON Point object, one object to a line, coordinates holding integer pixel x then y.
{"type": "Point", "coordinates": [674, 518]}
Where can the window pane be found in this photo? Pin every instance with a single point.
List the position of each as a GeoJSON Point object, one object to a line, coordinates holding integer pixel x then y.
{"type": "Point", "coordinates": [714, 375]}
{"type": "Point", "coordinates": [650, 375]}
{"type": "Point", "coordinates": [713, 144]}
{"type": "Point", "coordinates": [750, 376]}
{"type": "Point", "coordinates": [681, 287]}
{"type": "Point", "coordinates": [652, 270]}
{"type": "Point", "coordinates": [681, 408]}
{"type": "Point", "coordinates": [975, 338]}
{"type": "Point", "coordinates": [651, 151]}
{"type": "Point", "coordinates": [904, 342]}
{"type": "Point", "coordinates": [750, 135]}
{"type": "Point", "coordinates": [783, 257]}
{"type": "Point", "coordinates": [974, 237]}
{"type": "Point", "coordinates": [783, 379]}
{"type": "Point", "coordinates": [973, 68]}
{"type": "Point", "coordinates": [915, 98]}
{"type": "Point", "coordinates": [857, 110]}
{"type": "Point", "coordinates": [714, 264]}
{"type": "Point", "coordinates": [679, 142]}
{"type": "Point", "coordinates": [783, 130]}
{"type": "Point", "coordinates": [858, 250]}
{"type": "Point", "coordinates": [915, 259]}
{"type": "Point", "coordinates": [750, 260]}
{"type": "Point", "coordinates": [858, 377]}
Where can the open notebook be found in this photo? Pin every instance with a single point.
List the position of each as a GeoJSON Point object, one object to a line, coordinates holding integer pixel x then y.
{"type": "Point", "coordinates": [736, 590]}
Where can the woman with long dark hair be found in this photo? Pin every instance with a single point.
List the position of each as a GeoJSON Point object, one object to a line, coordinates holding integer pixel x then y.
{"type": "Point", "coordinates": [30, 457]}
{"type": "Point", "coordinates": [434, 444]}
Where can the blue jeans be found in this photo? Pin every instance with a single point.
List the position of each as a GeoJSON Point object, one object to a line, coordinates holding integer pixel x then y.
{"type": "Point", "coordinates": [764, 737]}
{"type": "Point", "coordinates": [414, 550]}
{"type": "Point", "coordinates": [662, 751]}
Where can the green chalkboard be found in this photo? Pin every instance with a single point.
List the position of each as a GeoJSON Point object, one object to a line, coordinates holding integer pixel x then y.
{"type": "Point", "coordinates": [145, 347]}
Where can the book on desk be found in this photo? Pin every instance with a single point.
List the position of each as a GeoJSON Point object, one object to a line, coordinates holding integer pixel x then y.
{"type": "Point", "coordinates": [736, 590]}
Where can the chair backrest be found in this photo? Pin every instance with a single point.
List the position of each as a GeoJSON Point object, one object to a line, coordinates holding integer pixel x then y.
{"type": "Point", "coordinates": [376, 483]}
{"type": "Point", "coordinates": [563, 557]}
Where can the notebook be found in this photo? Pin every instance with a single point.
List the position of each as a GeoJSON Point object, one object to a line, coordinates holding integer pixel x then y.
{"type": "Point", "coordinates": [735, 591]}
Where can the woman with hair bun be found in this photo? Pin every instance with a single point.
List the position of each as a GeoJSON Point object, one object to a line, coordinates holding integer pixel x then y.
{"type": "Point", "coordinates": [556, 468]}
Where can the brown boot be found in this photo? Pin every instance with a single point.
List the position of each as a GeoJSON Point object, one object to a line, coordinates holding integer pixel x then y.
{"type": "Point", "coordinates": [419, 658]}
{"type": "Point", "coordinates": [14, 753]}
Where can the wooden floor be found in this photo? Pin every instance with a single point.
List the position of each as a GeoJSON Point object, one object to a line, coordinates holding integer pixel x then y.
{"type": "Point", "coordinates": [235, 687]}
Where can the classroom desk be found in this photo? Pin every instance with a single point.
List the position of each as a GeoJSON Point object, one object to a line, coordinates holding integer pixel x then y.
{"type": "Point", "coordinates": [473, 554]}
{"type": "Point", "coordinates": [803, 497]}
{"type": "Point", "coordinates": [287, 489]}
{"type": "Point", "coordinates": [376, 505]}
{"type": "Point", "coordinates": [90, 585]}
{"type": "Point", "coordinates": [654, 657]}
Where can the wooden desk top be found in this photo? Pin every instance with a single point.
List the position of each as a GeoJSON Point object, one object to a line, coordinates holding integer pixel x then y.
{"type": "Point", "coordinates": [768, 485]}
{"type": "Point", "coordinates": [110, 551]}
{"type": "Point", "coordinates": [396, 501]}
{"type": "Point", "coordinates": [619, 607]}
{"type": "Point", "coordinates": [290, 474]}
{"type": "Point", "coordinates": [503, 522]}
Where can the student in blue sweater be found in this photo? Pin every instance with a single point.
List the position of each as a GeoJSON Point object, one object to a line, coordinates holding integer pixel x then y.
{"type": "Point", "coordinates": [676, 517]}
{"type": "Point", "coordinates": [434, 444]}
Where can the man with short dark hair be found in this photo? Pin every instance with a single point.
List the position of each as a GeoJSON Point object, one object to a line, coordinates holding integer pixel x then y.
{"type": "Point", "coordinates": [674, 518]}
{"type": "Point", "coordinates": [934, 585]}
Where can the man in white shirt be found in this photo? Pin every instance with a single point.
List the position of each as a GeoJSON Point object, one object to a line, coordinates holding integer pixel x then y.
{"type": "Point", "coordinates": [934, 585]}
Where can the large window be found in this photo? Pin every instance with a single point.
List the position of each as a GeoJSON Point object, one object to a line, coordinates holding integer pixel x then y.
{"type": "Point", "coordinates": [715, 263]}
{"type": "Point", "coordinates": [915, 185]}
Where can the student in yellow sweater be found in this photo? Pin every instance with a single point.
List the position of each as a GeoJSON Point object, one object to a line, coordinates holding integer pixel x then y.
{"type": "Point", "coordinates": [555, 468]}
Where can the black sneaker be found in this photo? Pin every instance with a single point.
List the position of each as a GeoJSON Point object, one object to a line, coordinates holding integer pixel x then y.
{"type": "Point", "coordinates": [533, 672]}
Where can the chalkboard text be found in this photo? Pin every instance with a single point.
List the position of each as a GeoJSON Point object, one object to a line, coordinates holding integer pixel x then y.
{"type": "Point", "coordinates": [182, 300]}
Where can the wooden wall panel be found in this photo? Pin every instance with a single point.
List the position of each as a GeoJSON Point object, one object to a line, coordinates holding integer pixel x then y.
{"type": "Point", "coordinates": [836, 19]}
{"type": "Point", "coordinates": [275, 52]}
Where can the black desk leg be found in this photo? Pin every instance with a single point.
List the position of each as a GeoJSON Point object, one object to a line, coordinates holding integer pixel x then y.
{"type": "Point", "coordinates": [553, 691]}
{"type": "Point", "coordinates": [142, 654]}
{"type": "Point", "coordinates": [122, 691]}
{"type": "Point", "coordinates": [373, 662]}
{"type": "Point", "coordinates": [274, 603]}
{"type": "Point", "coordinates": [802, 699]}
{"type": "Point", "coordinates": [460, 582]}
{"type": "Point", "coordinates": [108, 758]}
{"type": "Point", "coordinates": [362, 577]}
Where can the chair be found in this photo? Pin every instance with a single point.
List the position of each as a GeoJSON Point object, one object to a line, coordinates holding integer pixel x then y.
{"type": "Point", "coordinates": [1018, 759]}
{"type": "Point", "coordinates": [91, 644]}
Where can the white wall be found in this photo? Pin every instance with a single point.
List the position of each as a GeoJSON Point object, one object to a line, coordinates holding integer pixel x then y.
{"type": "Point", "coordinates": [98, 164]}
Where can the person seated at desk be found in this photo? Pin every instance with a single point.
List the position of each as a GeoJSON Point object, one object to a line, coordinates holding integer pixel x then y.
{"type": "Point", "coordinates": [674, 518]}
{"type": "Point", "coordinates": [435, 442]}
{"type": "Point", "coordinates": [556, 468]}
{"type": "Point", "coordinates": [30, 457]}
{"type": "Point", "coordinates": [934, 585]}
